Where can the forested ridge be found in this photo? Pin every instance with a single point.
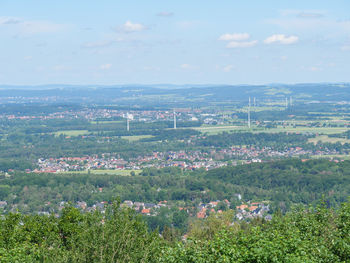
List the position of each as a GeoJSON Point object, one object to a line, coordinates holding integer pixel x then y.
{"type": "Point", "coordinates": [284, 183]}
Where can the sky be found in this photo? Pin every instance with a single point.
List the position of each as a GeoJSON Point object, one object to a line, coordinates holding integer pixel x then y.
{"type": "Point", "coordinates": [110, 42]}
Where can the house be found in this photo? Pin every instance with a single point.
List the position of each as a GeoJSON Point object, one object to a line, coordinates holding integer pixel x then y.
{"type": "Point", "coordinates": [255, 203]}
{"type": "Point", "coordinates": [253, 208]}
{"type": "Point", "coordinates": [128, 203]}
{"type": "Point", "coordinates": [241, 207]}
{"type": "Point", "coordinates": [214, 204]}
{"type": "Point", "coordinates": [146, 211]}
{"type": "Point", "coordinates": [149, 205]}
{"type": "Point", "coordinates": [202, 213]}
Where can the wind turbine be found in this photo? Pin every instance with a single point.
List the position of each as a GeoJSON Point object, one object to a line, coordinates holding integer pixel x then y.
{"type": "Point", "coordinates": [128, 118]}
{"type": "Point", "coordinates": [249, 114]}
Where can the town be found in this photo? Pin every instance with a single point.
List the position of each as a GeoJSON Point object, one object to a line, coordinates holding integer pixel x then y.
{"type": "Point", "coordinates": [184, 159]}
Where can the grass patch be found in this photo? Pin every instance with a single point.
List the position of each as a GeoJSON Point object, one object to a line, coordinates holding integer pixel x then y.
{"type": "Point", "coordinates": [216, 129]}
{"type": "Point", "coordinates": [337, 156]}
{"type": "Point", "coordinates": [325, 138]}
{"type": "Point", "coordinates": [134, 138]}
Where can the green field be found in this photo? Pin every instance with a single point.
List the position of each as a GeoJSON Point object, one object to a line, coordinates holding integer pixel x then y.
{"type": "Point", "coordinates": [216, 129]}
{"type": "Point", "coordinates": [109, 172]}
{"type": "Point", "coordinates": [325, 138]}
{"type": "Point", "coordinates": [319, 130]}
{"type": "Point", "coordinates": [136, 137]}
{"type": "Point", "coordinates": [338, 156]}
{"type": "Point", "coordinates": [72, 132]}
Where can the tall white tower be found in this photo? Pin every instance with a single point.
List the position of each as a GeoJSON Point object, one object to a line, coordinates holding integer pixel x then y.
{"type": "Point", "coordinates": [174, 119]}
{"type": "Point", "coordinates": [129, 117]}
{"type": "Point", "coordinates": [290, 101]}
{"type": "Point", "coordinates": [127, 122]}
{"type": "Point", "coordinates": [249, 114]}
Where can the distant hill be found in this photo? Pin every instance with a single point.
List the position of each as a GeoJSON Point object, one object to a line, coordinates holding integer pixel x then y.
{"type": "Point", "coordinates": [187, 94]}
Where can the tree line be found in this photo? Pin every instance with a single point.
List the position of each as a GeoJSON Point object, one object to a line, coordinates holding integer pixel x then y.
{"type": "Point", "coordinates": [314, 234]}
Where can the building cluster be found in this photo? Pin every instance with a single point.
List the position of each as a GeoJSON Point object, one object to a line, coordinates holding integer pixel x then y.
{"type": "Point", "coordinates": [253, 210]}
{"type": "Point", "coordinates": [187, 160]}
{"type": "Point", "coordinates": [246, 211]}
{"type": "Point", "coordinates": [190, 160]}
{"type": "Point", "coordinates": [111, 114]}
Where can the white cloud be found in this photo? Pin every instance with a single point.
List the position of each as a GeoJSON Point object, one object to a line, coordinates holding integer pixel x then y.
{"type": "Point", "coordinates": [283, 57]}
{"type": "Point", "coordinates": [315, 69]}
{"type": "Point", "coordinates": [165, 14]}
{"type": "Point", "coordinates": [234, 37]}
{"type": "Point", "coordinates": [185, 66]}
{"type": "Point", "coordinates": [237, 40]}
{"type": "Point", "coordinates": [106, 66]}
{"type": "Point", "coordinates": [28, 58]}
{"type": "Point", "coordinates": [228, 68]}
{"type": "Point", "coordinates": [29, 27]}
{"type": "Point", "coordinates": [9, 20]}
{"type": "Point", "coordinates": [281, 39]}
{"type": "Point", "coordinates": [235, 44]}
{"type": "Point", "coordinates": [130, 27]}
{"type": "Point", "coordinates": [345, 48]}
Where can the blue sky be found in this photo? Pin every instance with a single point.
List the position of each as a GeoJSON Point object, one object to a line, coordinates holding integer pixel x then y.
{"type": "Point", "coordinates": [178, 42]}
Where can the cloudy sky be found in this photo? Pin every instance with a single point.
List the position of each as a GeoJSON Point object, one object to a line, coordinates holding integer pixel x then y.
{"type": "Point", "coordinates": [179, 42]}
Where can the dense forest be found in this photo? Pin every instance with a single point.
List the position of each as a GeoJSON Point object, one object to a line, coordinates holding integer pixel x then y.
{"type": "Point", "coordinates": [313, 234]}
{"type": "Point", "coordinates": [226, 139]}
